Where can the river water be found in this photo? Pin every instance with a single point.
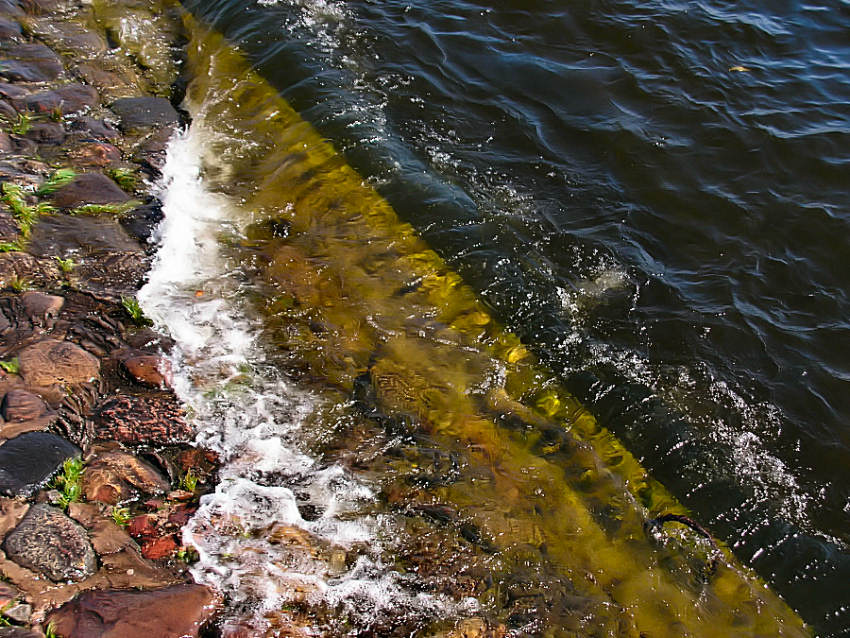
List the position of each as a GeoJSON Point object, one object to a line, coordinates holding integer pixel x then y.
{"type": "Point", "coordinates": [651, 196]}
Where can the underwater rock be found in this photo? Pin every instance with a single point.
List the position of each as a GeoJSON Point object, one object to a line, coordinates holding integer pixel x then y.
{"type": "Point", "coordinates": [180, 610]}
{"type": "Point", "coordinates": [29, 63]}
{"type": "Point", "coordinates": [29, 460]}
{"type": "Point", "coordinates": [144, 112]}
{"type": "Point", "coordinates": [49, 542]}
{"type": "Point", "coordinates": [89, 188]}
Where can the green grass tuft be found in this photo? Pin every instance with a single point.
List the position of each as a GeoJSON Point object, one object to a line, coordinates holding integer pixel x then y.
{"type": "Point", "coordinates": [65, 265]}
{"type": "Point", "coordinates": [70, 482]}
{"type": "Point", "coordinates": [12, 366]}
{"type": "Point", "coordinates": [120, 516]}
{"type": "Point", "coordinates": [107, 209]}
{"type": "Point", "coordinates": [132, 307]}
{"type": "Point", "coordinates": [126, 178]}
{"type": "Point", "coordinates": [56, 181]}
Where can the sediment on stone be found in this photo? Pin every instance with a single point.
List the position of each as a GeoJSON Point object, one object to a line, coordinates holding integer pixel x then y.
{"type": "Point", "coordinates": [94, 448]}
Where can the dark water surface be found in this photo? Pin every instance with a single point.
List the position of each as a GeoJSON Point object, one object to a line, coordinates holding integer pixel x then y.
{"type": "Point", "coordinates": [654, 196]}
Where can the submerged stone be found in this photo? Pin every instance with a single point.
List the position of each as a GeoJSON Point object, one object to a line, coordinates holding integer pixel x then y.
{"type": "Point", "coordinates": [28, 461]}
{"type": "Point", "coordinates": [180, 610]}
{"type": "Point", "coordinates": [50, 543]}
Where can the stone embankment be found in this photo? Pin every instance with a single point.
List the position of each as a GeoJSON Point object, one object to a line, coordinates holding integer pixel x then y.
{"type": "Point", "coordinates": [97, 473]}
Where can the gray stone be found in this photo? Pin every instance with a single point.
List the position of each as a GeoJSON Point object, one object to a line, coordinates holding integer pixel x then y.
{"type": "Point", "coordinates": [50, 543]}
{"type": "Point", "coordinates": [144, 112]}
{"type": "Point", "coordinates": [28, 461]}
{"type": "Point", "coordinates": [64, 234]}
{"type": "Point", "coordinates": [95, 128]}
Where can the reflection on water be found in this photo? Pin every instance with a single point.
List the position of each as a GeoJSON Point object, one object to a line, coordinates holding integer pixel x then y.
{"type": "Point", "coordinates": [422, 472]}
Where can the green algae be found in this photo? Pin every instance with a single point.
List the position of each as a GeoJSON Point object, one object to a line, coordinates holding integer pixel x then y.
{"type": "Point", "coordinates": [359, 303]}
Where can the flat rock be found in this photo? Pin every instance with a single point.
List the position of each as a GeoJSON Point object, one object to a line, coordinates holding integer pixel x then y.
{"type": "Point", "coordinates": [81, 234]}
{"type": "Point", "coordinates": [180, 610]}
{"type": "Point", "coordinates": [51, 362]}
{"type": "Point", "coordinates": [151, 420]}
{"type": "Point", "coordinates": [144, 112]}
{"type": "Point", "coordinates": [151, 370]}
{"type": "Point", "coordinates": [28, 461]}
{"type": "Point", "coordinates": [8, 111]}
{"type": "Point", "coordinates": [89, 188]}
{"type": "Point", "coordinates": [71, 98]}
{"type": "Point", "coordinates": [49, 542]}
{"type": "Point", "coordinates": [29, 63]}
{"type": "Point", "coordinates": [115, 476]}
{"type": "Point", "coordinates": [13, 91]}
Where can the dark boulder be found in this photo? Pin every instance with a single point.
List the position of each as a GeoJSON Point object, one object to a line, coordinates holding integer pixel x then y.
{"type": "Point", "coordinates": [49, 542]}
{"type": "Point", "coordinates": [144, 112]}
{"type": "Point", "coordinates": [28, 461]}
{"type": "Point", "coordinates": [89, 188]}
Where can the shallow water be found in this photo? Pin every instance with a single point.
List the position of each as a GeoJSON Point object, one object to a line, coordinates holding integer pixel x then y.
{"type": "Point", "coordinates": [650, 197]}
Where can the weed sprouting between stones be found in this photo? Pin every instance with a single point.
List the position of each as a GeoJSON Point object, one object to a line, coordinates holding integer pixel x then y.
{"type": "Point", "coordinates": [70, 482]}
{"type": "Point", "coordinates": [12, 366]}
{"type": "Point", "coordinates": [132, 308]}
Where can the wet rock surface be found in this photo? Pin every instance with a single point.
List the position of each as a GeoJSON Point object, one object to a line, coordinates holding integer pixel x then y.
{"type": "Point", "coordinates": [49, 542]}
{"type": "Point", "coordinates": [29, 460]}
{"type": "Point", "coordinates": [174, 611]}
{"type": "Point", "coordinates": [144, 112]}
{"type": "Point", "coordinates": [89, 188]}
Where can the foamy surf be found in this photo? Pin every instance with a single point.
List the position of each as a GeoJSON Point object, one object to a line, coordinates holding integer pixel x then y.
{"type": "Point", "coordinates": [253, 543]}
